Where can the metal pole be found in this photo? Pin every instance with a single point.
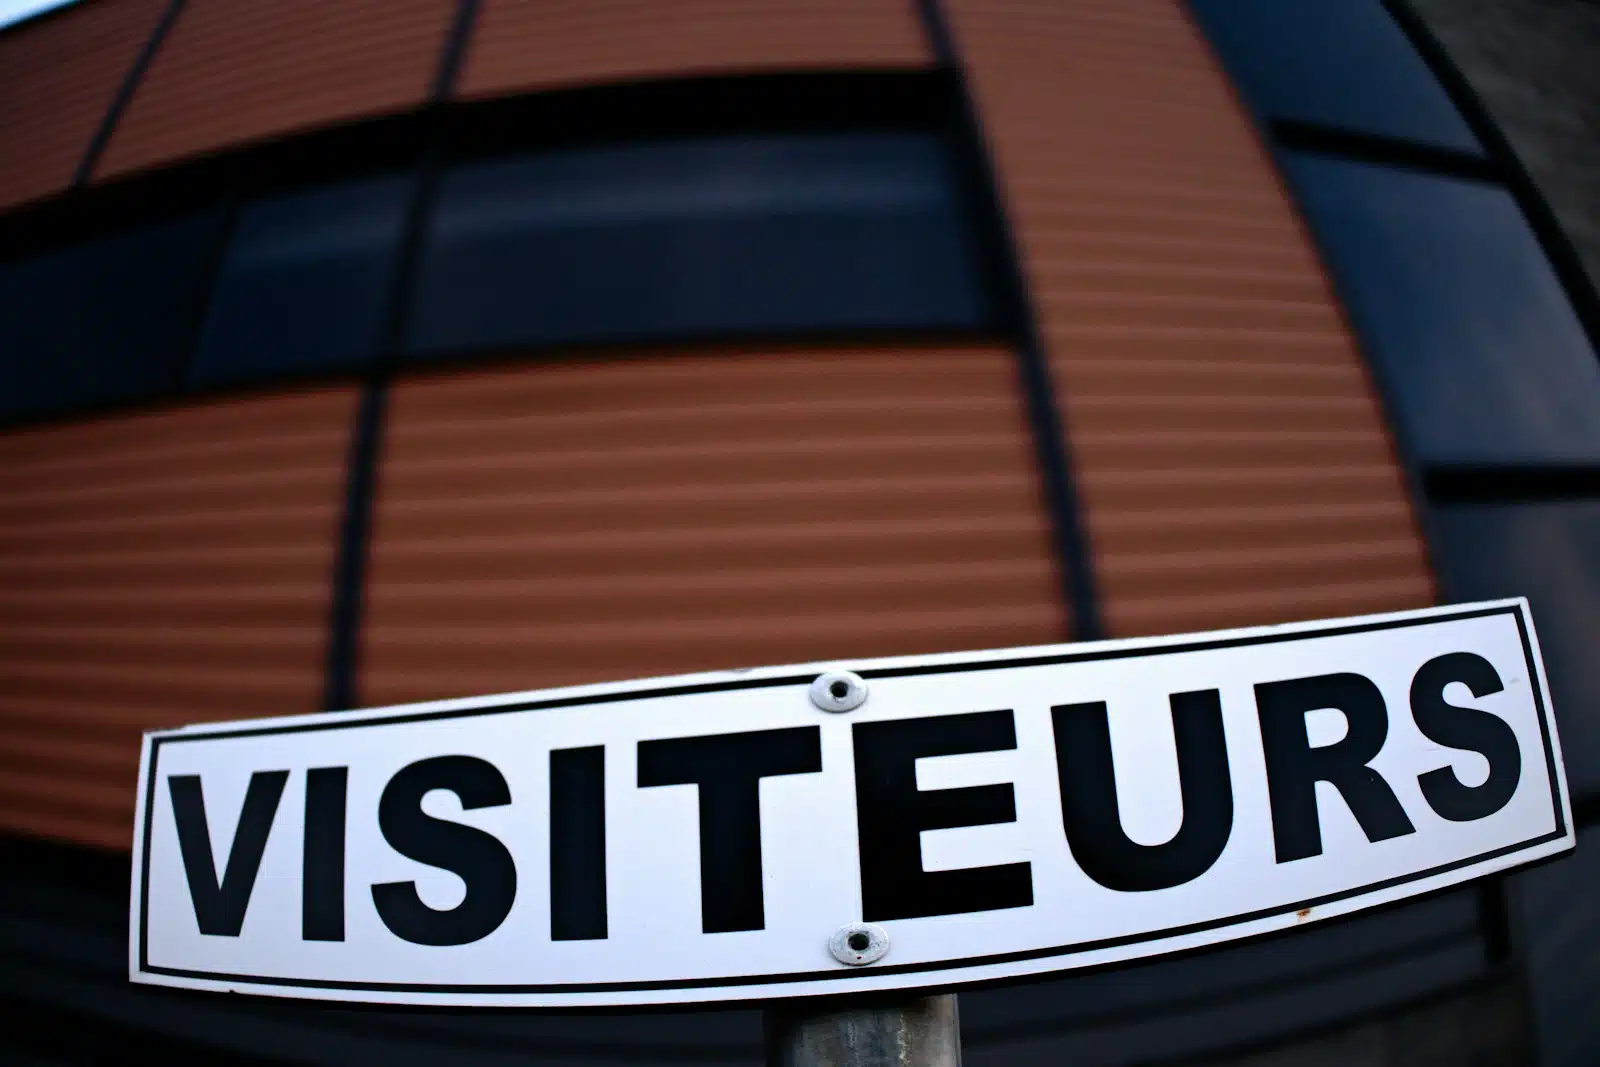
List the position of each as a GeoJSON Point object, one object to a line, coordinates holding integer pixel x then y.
{"type": "Point", "coordinates": [858, 1032]}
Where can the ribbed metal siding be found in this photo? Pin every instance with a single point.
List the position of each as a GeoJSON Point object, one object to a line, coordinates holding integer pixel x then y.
{"type": "Point", "coordinates": [233, 71]}
{"type": "Point", "coordinates": [557, 524]}
{"type": "Point", "coordinates": [520, 45]}
{"type": "Point", "coordinates": [1229, 446]}
{"type": "Point", "coordinates": [58, 78]}
{"type": "Point", "coordinates": [156, 570]}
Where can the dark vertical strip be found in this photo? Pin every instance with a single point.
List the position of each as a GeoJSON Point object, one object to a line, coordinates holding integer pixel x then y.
{"type": "Point", "coordinates": [350, 561]}
{"type": "Point", "coordinates": [578, 844]}
{"type": "Point", "coordinates": [366, 444]}
{"type": "Point", "coordinates": [322, 869]}
{"type": "Point", "coordinates": [1009, 287]}
{"type": "Point", "coordinates": [1494, 920]}
{"type": "Point", "coordinates": [130, 85]}
{"type": "Point", "coordinates": [455, 49]}
{"type": "Point", "coordinates": [1586, 810]}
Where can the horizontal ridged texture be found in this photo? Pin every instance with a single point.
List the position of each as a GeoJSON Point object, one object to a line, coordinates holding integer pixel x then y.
{"type": "Point", "coordinates": [1229, 448]}
{"type": "Point", "coordinates": [518, 44]}
{"type": "Point", "coordinates": [234, 71]}
{"type": "Point", "coordinates": [569, 523]}
{"type": "Point", "coordinates": [155, 570]}
{"type": "Point", "coordinates": [58, 78]}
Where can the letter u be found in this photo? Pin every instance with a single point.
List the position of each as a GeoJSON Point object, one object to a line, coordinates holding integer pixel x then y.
{"type": "Point", "coordinates": [1089, 810]}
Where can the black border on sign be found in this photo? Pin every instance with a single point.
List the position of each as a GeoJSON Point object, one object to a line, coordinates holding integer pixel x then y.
{"type": "Point", "coordinates": [1535, 678]}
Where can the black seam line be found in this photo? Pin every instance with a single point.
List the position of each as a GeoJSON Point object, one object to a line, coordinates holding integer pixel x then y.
{"type": "Point", "coordinates": [1493, 920]}
{"type": "Point", "coordinates": [348, 579]}
{"type": "Point", "coordinates": [1547, 229]}
{"type": "Point", "coordinates": [1320, 139]}
{"type": "Point", "coordinates": [1544, 728]}
{"type": "Point", "coordinates": [1490, 483]}
{"type": "Point", "coordinates": [124, 97]}
{"type": "Point", "coordinates": [906, 968]}
{"type": "Point", "coordinates": [453, 55]}
{"type": "Point", "coordinates": [937, 30]}
{"type": "Point", "coordinates": [348, 608]}
{"type": "Point", "coordinates": [1052, 449]}
{"type": "Point", "coordinates": [701, 688]}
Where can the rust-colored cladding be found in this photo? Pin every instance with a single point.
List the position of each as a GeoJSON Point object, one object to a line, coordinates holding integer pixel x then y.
{"type": "Point", "coordinates": [1230, 450]}
{"type": "Point", "coordinates": [58, 78]}
{"type": "Point", "coordinates": [235, 71]}
{"type": "Point", "coordinates": [157, 569]}
{"type": "Point", "coordinates": [520, 45]}
{"type": "Point", "coordinates": [574, 522]}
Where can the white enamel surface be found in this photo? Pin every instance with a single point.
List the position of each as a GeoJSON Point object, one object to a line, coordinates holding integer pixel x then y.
{"type": "Point", "coordinates": [656, 952]}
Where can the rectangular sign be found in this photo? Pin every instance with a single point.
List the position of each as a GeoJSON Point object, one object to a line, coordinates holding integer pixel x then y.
{"type": "Point", "coordinates": [723, 837]}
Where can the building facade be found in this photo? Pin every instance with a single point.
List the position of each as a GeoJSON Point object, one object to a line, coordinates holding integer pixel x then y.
{"type": "Point", "coordinates": [359, 353]}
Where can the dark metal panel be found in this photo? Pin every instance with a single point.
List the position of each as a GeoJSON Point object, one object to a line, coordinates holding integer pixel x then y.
{"type": "Point", "coordinates": [1342, 64]}
{"type": "Point", "coordinates": [576, 522]}
{"type": "Point", "coordinates": [1484, 359]}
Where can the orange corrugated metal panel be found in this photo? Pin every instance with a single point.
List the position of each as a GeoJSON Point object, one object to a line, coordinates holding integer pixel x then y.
{"type": "Point", "coordinates": [566, 523]}
{"type": "Point", "coordinates": [518, 45]}
{"type": "Point", "coordinates": [1230, 450]}
{"type": "Point", "coordinates": [58, 77]}
{"type": "Point", "coordinates": [157, 569]}
{"type": "Point", "coordinates": [233, 71]}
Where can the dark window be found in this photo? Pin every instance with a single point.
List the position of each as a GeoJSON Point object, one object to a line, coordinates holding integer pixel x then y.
{"type": "Point", "coordinates": [701, 237]}
{"type": "Point", "coordinates": [101, 320]}
{"type": "Point", "coordinates": [1484, 359]}
{"type": "Point", "coordinates": [304, 282]}
{"type": "Point", "coordinates": [1337, 62]}
{"type": "Point", "coordinates": [1549, 553]}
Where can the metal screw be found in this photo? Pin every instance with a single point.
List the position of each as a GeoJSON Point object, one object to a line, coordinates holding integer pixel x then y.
{"type": "Point", "coordinates": [859, 944]}
{"type": "Point", "coordinates": [838, 691]}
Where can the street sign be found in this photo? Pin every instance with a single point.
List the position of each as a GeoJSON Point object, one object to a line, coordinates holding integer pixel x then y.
{"type": "Point", "coordinates": [885, 824]}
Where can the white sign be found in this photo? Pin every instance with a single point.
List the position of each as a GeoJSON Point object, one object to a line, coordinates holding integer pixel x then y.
{"type": "Point", "coordinates": [980, 815]}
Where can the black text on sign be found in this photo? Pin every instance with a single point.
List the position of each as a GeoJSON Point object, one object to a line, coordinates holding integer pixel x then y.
{"type": "Point", "coordinates": [703, 838]}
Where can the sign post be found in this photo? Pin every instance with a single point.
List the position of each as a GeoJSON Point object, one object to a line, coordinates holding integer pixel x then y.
{"type": "Point", "coordinates": [831, 834]}
{"type": "Point", "coordinates": [861, 1032]}
{"type": "Point", "coordinates": [917, 1032]}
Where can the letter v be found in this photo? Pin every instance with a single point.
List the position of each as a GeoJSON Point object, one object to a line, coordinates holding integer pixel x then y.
{"type": "Point", "coordinates": [219, 907]}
